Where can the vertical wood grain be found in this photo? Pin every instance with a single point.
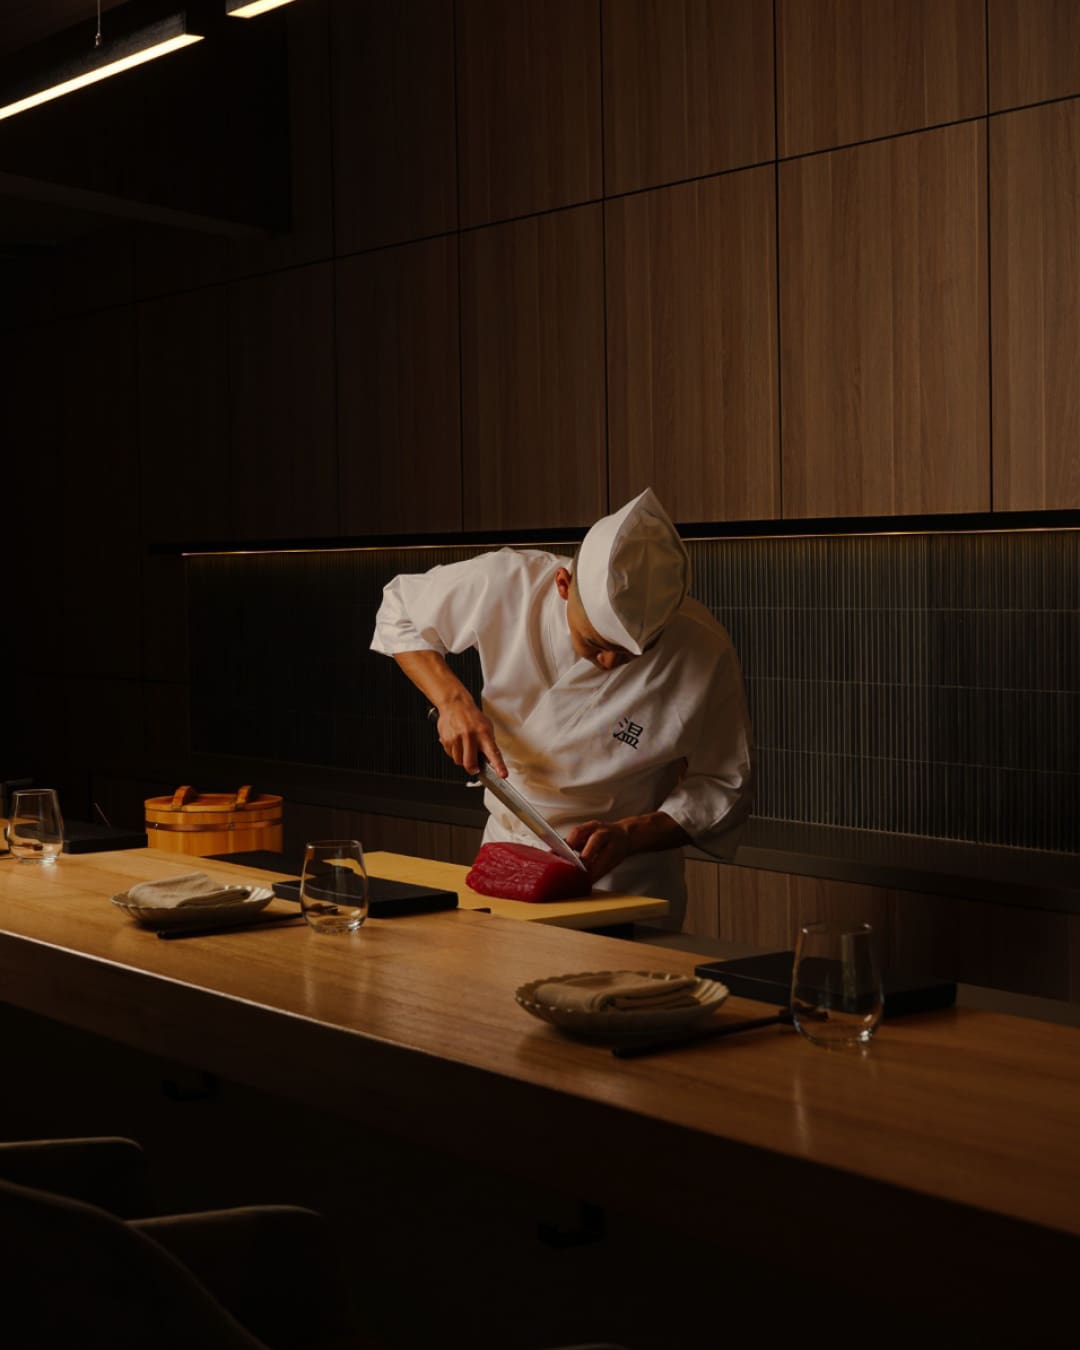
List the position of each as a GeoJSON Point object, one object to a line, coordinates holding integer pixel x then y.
{"type": "Point", "coordinates": [1029, 951]}
{"type": "Point", "coordinates": [755, 907]}
{"type": "Point", "coordinates": [164, 617]}
{"type": "Point", "coordinates": [999, 946]}
{"type": "Point", "coordinates": [1035, 281]}
{"type": "Point", "coordinates": [692, 378]}
{"type": "Point", "coordinates": [1034, 51]}
{"type": "Point", "coordinates": [122, 799]}
{"type": "Point", "coordinates": [528, 106]}
{"type": "Point", "coordinates": [848, 70]}
{"type": "Point", "coordinates": [817, 898]}
{"type": "Point", "coordinates": [884, 327]}
{"type": "Point", "coordinates": [310, 231]}
{"type": "Point", "coordinates": [688, 89]}
{"type": "Point", "coordinates": [34, 361]}
{"type": "Point", "coordinates": [942, 936]}
{"type": "Point", "coordinates": [168, 260]}
{"type": "Point", "coordinates": [398, 834]}
{"type": "Point", "coordinates": [104, 719]}
{"type": "Point", "coordinates": [94, 270]}
{"type": "Point", "coordinates": [465, 843]}
{"type": "Point", "coordinates": [702, 915]}
{"type": "Point", "coordinates": [533, 372]}
{"type": "Point", "coordinates": [183, 416]}
{"type": "Point", "coordinates": [395, 170]}
{"type": "Point", "coordinates": [300, 823]}
{"type": "Point", "coordinates": [98, 493]}
{"type": "Point", "coordinates": [283, 468]}
{"type": "Point", "coordinates": [166, 715]}
{"type": "Point", "coordinates": [399, 422]}
{"type": "Point", "coordinates": [1074, 958]}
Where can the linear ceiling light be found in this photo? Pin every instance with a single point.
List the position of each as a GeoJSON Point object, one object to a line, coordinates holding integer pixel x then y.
{"type": "Point", "coordinates": [251, 9]}
{"type": "Point", "coordinates": [110, 58]}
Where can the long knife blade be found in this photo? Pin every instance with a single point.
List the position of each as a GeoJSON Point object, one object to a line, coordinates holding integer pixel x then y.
{"type": "Point", "coordinates": [528, 815]}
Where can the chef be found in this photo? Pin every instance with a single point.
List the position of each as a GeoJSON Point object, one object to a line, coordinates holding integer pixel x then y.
{"type": "Point", "coordinates": [611, 700]}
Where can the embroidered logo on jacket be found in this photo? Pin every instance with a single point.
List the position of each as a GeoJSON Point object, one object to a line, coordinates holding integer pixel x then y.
{"type": "Point", "coordinates": [628, 732]}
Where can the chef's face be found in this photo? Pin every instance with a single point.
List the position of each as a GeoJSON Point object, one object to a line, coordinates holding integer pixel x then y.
{"type": "Point", "coordinates": [587, 642]}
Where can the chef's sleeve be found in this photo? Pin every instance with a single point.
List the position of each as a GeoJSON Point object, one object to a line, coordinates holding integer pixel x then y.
{"type": "Point", "coordinates": [437, 611]}
{"type": "Point", "coordinates": [712, 800]}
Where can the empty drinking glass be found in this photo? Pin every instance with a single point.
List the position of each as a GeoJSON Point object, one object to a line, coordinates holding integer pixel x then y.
{"type": "Point", "coordinates": [836, 994]}
{"type": "Point", "coordinates": [334, 886]}
{"type": "Point", "coordinates": [35, 826]}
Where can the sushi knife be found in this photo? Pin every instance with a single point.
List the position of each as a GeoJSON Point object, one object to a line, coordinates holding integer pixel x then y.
{"type": "Point", "coordinates": [525, 811]}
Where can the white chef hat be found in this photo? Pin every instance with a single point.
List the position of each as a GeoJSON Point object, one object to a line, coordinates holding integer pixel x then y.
{"type": "Point", "coordinates": [632, 573]}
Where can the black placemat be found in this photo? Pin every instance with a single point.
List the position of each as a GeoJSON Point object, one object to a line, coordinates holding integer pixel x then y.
{"type": "Point", "coordinates": [386, 899]}
{"type": "Point", "coordinates": [767, 978]}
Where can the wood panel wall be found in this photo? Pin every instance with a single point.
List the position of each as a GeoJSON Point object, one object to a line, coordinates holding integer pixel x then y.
{"type": "Point", "coordinates": [776, 269]}
{"type": "Point", "coordinates": [1035, 282]}
{"type": "Point", "coordinates": [1025, 951]}
{"type": "Point", "coordinates": [883, 249]}
{"type": "Point", "coordinates": [540, 255]}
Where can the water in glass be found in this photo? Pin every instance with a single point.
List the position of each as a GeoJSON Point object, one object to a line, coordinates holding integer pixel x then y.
{"type": "Point", "coordinates": [35, 827]}
{"type": "Point", "coordinates": [334, 886]}
{"type": "Point", "coordinates": [836, 994]}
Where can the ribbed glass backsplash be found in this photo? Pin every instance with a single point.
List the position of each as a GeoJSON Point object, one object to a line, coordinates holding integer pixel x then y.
{"type": "Point", "coordinates": [919, 684]}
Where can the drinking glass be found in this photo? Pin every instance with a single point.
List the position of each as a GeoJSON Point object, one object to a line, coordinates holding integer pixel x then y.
{"type": "Point", "coordinates": [836, 994]}
{"type": "Point", "coordinates": [35, 827]}
{"type": "Point", "coordinates": [334, 886]}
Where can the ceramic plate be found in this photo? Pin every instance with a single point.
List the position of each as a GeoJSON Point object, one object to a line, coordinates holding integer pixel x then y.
{"type": "Point", "coordinates": [237, 903]}
{"type": "Point", "coordinates": [612, 1023]}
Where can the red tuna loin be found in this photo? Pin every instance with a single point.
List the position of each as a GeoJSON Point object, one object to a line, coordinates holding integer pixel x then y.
{"type": "Point", "coordinates": [519, 872]}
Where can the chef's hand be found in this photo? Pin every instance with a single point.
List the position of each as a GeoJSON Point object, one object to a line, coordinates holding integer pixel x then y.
{"type": "Point", "coordinates": [602, 845]}
{"type": "Point", "coordinates": [466, 733]}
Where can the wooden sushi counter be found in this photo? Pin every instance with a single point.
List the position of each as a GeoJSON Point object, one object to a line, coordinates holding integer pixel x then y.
{"type": "Point", "coordinates": [941, 1166]}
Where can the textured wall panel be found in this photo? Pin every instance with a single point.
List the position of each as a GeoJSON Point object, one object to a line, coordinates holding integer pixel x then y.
{"type": "Point", "coordinates": [923, 684]}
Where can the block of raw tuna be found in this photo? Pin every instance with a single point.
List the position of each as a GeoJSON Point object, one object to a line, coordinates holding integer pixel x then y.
{"type": "Point", "coordinates": [520, 872]}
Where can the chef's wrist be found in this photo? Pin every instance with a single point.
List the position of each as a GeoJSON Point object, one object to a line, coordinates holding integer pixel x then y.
{"type": "Point", "coordinates": [653, 832]}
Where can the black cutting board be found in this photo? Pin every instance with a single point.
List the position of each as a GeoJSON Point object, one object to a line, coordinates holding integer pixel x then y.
{"type": "Point", "coordinates": [767, 978]}
{"type": "Point", "coordinates": [386, 899]}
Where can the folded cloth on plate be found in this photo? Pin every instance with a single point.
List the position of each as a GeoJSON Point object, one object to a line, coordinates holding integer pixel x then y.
{"type": "Point", "coordinates": [617, 991]}
{"type": "Point", "coordinates": [193, 888]}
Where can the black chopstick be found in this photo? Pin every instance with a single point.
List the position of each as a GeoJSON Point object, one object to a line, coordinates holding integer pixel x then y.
{"type": "Point", "coordinates": [651, 1045]}
{"type": "Point", "coordinates": [205, 930]}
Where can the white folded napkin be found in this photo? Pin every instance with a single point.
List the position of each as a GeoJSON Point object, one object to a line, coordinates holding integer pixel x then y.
{"type": "Point", "coordinates": [617, 990]}
{"type": "Point", "coordinates": [193, 888]}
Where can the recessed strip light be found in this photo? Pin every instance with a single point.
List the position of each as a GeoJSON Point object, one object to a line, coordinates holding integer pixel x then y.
{"type": "Point", "coordinates": [251, 9]}
{"type": "Point", "coordinates": [147, 44]}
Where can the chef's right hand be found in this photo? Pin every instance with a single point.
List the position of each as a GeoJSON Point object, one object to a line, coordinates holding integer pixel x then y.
{"type": "Point", "coordinates": [465, 733]}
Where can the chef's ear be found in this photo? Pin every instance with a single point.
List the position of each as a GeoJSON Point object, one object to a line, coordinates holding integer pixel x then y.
{"type": "Point", "coordinates": [563, 581]}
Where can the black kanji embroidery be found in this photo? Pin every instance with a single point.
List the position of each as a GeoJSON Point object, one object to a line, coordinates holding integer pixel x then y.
{"type": "Point", "coordinates": [628, 732]}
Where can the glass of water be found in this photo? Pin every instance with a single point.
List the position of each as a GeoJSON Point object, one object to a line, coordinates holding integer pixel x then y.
{"type": "Point", "coordinates": [836, 994]}
{"type": "Point", "coordinates": [334, 886]}
{"type": "Point", "coordinates": [35, 827]}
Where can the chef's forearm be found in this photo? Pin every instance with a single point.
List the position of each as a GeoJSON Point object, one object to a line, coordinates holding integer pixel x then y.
{"type": "Point", "coordinates": [465, 732]}
{"type": "Point", "coordinates": [653, 832]}
{"type": "Point", "coordinates": [434, 678]}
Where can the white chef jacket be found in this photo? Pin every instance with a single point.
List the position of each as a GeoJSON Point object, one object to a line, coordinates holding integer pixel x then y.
{"type": "Point", "coordinates": [666, 731]}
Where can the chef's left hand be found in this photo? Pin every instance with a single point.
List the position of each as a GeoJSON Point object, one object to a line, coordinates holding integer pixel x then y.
{"type": "Point", "coordinates": [602, 845]}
